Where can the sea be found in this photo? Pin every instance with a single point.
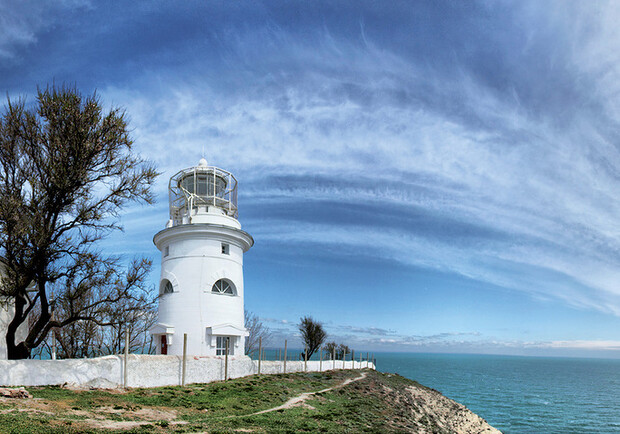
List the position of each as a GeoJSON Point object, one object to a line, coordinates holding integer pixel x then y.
{"type": "Point", "coordinates": [515, 394]}
{"type": "Point", "coordinates": [521, 394]}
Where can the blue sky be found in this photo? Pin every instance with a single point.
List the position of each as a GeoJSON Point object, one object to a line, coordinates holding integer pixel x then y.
{"type": "Point", "coordinates": [420, 176]}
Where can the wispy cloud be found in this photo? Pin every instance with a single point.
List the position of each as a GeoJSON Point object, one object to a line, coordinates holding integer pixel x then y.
{"type": "Point", "coordinates": [583, 345]}
{"type": "Point", "coordinates": [360, 124]}
{"type": "Point", "coordinates": [276, 321]}
{"type": "Point", "coordinates": [21, 23]}
{"type": "Point", "coordinates": [367, 337]}
{"type": "Point", "coordinates": [487, 155]}
{"type": "Point", "coordinates": [17, 28]}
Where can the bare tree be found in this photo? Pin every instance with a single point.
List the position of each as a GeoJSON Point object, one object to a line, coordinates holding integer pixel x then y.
{"type": "Point", "coordinates": [336, 351]}
{"type": "Point", "coordinates": [330, 348]}
{"type": "Point", "coordinates": [86, 338]}
{"type": "Point", "coordinates": [312, 334]}
{"type": "Point", "coordinates": [66, 171]}
{"type": "Point", "coordinates": [256, 330]}
{"type": "Point", "coordinates": [104, 332]}
{"type": "Point", "coordinates": [342, 351]}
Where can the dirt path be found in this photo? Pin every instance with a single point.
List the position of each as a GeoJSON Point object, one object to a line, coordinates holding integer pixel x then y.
{"type": "Point", "coordinates": [299, 400]}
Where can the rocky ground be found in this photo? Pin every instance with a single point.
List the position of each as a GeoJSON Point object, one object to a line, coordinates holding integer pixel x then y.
{"type": "Point", "coordinates": [419, 409]}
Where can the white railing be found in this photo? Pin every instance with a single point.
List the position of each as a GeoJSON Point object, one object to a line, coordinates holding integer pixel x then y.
{"type": "Point", "coordinates": [202, 186]}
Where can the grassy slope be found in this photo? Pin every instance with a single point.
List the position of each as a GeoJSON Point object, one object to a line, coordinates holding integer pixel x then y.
{"type": "Point", "coordinates": [371, 404]}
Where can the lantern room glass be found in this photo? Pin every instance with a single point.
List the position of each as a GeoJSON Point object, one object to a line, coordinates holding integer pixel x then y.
{"type": "Point", "coordinates": [202, 186]}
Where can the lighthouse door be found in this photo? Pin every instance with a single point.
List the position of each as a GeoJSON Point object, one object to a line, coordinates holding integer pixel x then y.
{"type": "Point", "coordinates": [164, 345]}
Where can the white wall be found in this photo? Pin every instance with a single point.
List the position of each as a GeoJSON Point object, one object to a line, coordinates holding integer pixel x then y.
{"type": "Point", "coordinates": [146, 370]}
{"type": "Point", "coordinates": [6, 315]}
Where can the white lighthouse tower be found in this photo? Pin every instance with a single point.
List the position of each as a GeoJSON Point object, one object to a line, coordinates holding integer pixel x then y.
{"type": "Point", "coordinates": [202, 247]}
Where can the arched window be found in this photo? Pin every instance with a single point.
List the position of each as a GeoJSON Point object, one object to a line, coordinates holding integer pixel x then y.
{"type": "Point", "coordinates": [166, 287]}
{"type": "Point", "coordinates": [223, 286]}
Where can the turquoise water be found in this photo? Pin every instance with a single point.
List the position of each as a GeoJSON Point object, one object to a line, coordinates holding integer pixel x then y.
{"type": "Point", "coordinates": [521, 394]}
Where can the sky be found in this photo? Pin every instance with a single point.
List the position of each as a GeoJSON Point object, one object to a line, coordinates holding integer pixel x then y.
{"type": "Point", "coordinates": [427, 176]}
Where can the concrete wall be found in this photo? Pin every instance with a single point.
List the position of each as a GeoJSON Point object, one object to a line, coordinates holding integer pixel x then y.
{"type": "Point", "coordinates": [7, 311]}
{"type": "Point", "coordinates": [146, 370]}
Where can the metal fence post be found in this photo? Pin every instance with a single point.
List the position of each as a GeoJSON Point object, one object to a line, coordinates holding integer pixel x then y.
{"type": "Point", "coordinates": [285, 356]}
{"type": "Point", "coordinates": [184, 358]}
{"type": "Point", "coordinates": [334, 358]}
{"type": "Point", "coordinates": [367, 361]}
{"type": "Point", "coordinates": [306, 359]}
{"type": "Point", "coordinates": [352, 359]}
{"type": "Point", "coordinates": [320, 359]}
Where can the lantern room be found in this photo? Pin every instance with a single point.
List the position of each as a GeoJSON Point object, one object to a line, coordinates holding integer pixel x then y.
{"type": "Point", "coordinates": [201, 189]}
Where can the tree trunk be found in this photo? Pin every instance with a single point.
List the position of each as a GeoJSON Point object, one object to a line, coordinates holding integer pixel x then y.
{"type": "Point", "coordinates": [19, 351]}
{"type": "Point", "coordinates": [16, 352]}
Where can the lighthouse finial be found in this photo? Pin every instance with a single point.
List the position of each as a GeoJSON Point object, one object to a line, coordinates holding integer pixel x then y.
{"type": "Point", "coordinates": [203, 160]}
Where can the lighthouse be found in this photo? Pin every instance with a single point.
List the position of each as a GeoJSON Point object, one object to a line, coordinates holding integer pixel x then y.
{"type": "Point", "coordinates": [201, 283]}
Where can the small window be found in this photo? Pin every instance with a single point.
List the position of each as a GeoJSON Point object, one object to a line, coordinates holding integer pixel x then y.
{"type": "Point", "coordinates": [223, 287]}
{"type": "Point", "coordinates": [225, 249]}
{"type": "Point", "coordinates": [166, 251]}
{"type": "Point", "coordinates": [167, 287]}
{"type": "Point", "coordinates": [220, 348]}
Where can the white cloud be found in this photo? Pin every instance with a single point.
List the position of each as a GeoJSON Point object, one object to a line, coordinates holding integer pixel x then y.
{"type": "Point", "coordinates": [17, 28]}
{"type": "Point", "coordinates": [446, 143]}
{"type": "Point", "coordinates": [583, 345]}
{"type": "Point", "coordinates": [22, 22]}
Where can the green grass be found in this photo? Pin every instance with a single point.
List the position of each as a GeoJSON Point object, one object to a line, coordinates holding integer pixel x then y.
{"type": "Point", "coordinates": [216, 407]}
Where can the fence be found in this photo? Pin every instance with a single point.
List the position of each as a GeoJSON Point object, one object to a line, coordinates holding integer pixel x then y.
{"type": "Point", "coordinates": [133, 370]}
{"type": "Point", "coordinates": [325, 359]}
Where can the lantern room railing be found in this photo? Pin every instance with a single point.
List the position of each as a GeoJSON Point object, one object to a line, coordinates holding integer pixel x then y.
{"type": "Point", "coordinates": [199, 186]}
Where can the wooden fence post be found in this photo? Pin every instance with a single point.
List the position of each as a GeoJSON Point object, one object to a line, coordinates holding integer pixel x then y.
{"type": "Point", "coordinates": [226, 360]}
{"type": "Point", "coordinates": [53, 330]}
{"type": "Point", "coordinates": [184, 359]}
{"type": "Point", "coordinates": [126, 358]}
{"type": "Point", "coordinates": [260, 352]}
{"type": "Point", "coordinates": [54, 344]}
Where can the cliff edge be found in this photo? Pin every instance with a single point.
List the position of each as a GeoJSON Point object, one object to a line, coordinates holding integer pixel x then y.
{"type": "Point", "coordinates": [333, 401]}
{"type": "Point", "coordinates": [415, 408]}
